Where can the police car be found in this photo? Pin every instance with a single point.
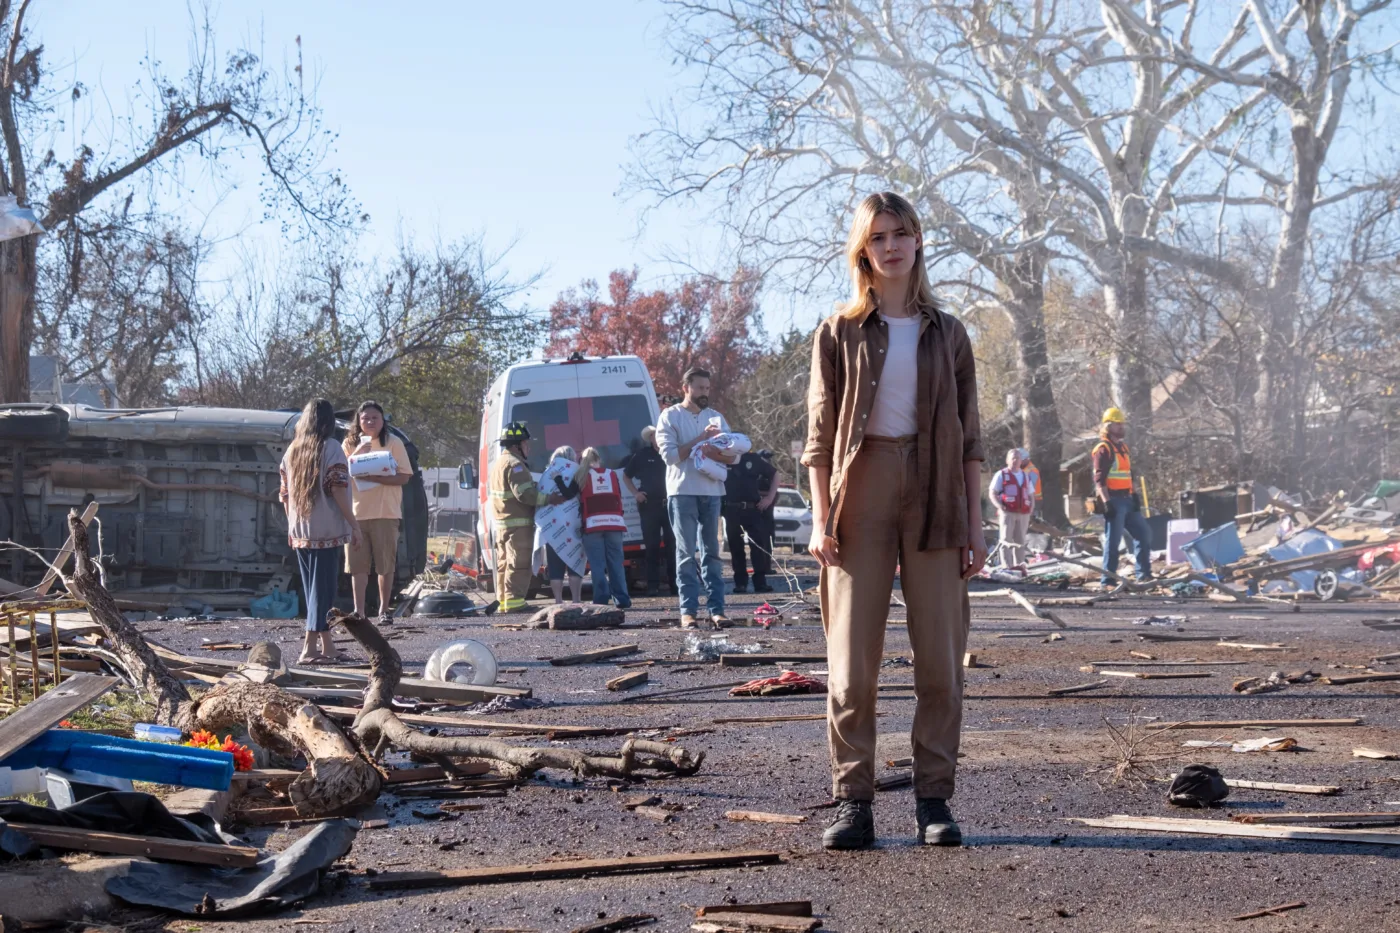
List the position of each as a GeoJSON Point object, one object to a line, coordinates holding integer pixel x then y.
{"type": "Point", "coordinates": [792, 519]}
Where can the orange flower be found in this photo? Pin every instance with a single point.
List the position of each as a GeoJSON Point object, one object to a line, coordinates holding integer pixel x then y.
{"type": "Point", "coordinates": [65, 724]}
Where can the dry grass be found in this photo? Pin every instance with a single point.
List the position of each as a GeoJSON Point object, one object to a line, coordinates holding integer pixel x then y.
{"type": "Point", "coordinates": [1132, 757]}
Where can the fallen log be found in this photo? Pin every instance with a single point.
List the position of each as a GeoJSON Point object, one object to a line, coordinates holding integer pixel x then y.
{"type": "Point", "coordinates": [338, 775]}
{"type": "Point", "coordinates": [378, 727]}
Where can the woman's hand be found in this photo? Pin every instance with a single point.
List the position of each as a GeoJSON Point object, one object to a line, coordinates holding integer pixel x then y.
{"type": "Point", "coordinates": [823, 546]}
{"type": "Point", "coordinates": [975, 554]}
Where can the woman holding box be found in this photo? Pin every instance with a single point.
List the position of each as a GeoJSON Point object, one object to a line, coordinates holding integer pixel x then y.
{"type": "Point", "coordinates": [320, 519]}
{"type": "Point", "coordinates": [378, 506]}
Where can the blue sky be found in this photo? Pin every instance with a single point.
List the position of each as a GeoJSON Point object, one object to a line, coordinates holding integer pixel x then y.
{"type": "Point", "coordinates": [511, 120]}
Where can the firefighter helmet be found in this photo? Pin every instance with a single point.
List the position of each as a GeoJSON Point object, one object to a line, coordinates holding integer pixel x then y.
{"type": "Point", "coordinates": [514, 433]}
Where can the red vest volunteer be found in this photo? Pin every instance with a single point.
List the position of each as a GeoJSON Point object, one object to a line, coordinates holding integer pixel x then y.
{"type": "Point", "coordinates": [600, 495]}
{"type": "Point", "coordinates": [1015, 495]}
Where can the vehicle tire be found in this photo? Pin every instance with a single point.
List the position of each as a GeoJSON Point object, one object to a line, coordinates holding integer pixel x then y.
{"type": "Point", "coordinates": [33, 422]}
{"type": "Point", "coordinates": [1327, 585]}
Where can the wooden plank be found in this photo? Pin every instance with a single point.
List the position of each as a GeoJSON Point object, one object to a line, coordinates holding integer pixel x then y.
{"type": "Point", "coordinates": [36, 718]}
{"type": "Point", "coordinates": [1047, 614]}
{"type": "Point", "coordinates": [628, 681]}
{"type": "Point", "coordinates": [1322, 790]}
{"type": "Point", "coordinates": [1169, 663]}
{"type": "Point", "coordinates": [682, 691]}
{"type": "Point", "coordinates": [757, 816]}
{"type": "Point", "coordinates": [1380, 819]}
{"type": "Point", "coordinates": [894, 779]}
{"type": "Point", "coordinates": [435, 772]}
{"type": "Point", "coordinates": [1162, 636]}
{"type": "Point", "coordinates": [753, 660]}
{"type": "Point", "coordinates": [169, 850]}
{"type": "Point", "coordinates": [598, 654]}
{"type": "Point", "coordinates": [573, 868]}
{"type": "Point", "coordinates": [1077, 688]}
{"type": "Point", "coordinates": [617, 924]}
{"type": "Point", "coordinates": [780, 908]}
{"type": "Point", "coordinates": [1271, 911]}
{"type": "Point", "coordinates": [1269, 723]}
{"type": "Point", "coordinates": [736, 922]}
{"type": "Point", "coordinates": [517, 728]}
{"type": "Point", "coordinates": [1141, 675]}
{"type": "Point", "coordinates": [806, 717]}
{"type": "Point", "coordinates": [64, 553]}
{"type": "Point", "coordinates": [1249, 646]}
{"type": "Point", "coordinates": [1163, 824]}
{"type": "Point", "coordinates": [1359, 678]}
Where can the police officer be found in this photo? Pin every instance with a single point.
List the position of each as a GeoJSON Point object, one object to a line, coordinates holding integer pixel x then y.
{"type": "Point", "coordinates": [514, 498]}
{"type": "Point", "coordinates": [750, 482]}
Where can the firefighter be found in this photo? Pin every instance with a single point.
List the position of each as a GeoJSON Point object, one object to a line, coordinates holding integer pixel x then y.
{"type": "Point", "coordinates": [1122, 511]}
{"type": "Point", "coordinates": [514, 498]}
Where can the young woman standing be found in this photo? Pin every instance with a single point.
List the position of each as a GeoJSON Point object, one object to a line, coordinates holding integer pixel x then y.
{"type": "Point", "coordinates": [314, 489]}
{"type": "Point", "coordinates": [378, 507]}
{"type": "Point", "coordinates": [894, 453]}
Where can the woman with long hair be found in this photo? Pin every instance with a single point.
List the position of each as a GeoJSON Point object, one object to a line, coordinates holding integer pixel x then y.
{"type": "Point", "coordinates": [894, 452]}
{"type": "Point", "coordinates": [378, 507]}
{"type": "Point", "coordinates": [315, 490]}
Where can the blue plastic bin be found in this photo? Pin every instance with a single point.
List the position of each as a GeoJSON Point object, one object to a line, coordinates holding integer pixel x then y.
{"type": "Point", "coordinates": [1214, 548]}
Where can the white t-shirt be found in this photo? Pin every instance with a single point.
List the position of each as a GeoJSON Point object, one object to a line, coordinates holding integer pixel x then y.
{"type": "Point", "coordinates": [897, 395]}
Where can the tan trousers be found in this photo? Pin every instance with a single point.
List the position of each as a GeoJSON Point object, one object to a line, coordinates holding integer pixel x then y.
{"type": "Point", "coordinates": [514, 566]}
{"type": "Point", "coordinates": [879, 528]}
{"type": "Point", "coordinates": [1014, 526]}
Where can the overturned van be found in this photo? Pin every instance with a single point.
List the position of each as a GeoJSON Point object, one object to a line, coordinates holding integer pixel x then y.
{"type": "Point", "coordinates": [187, 499]}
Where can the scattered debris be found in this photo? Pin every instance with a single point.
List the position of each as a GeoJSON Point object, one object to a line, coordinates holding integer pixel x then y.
{"type": "Point", "coordinates": [628, 681]}
{"type": "Point", "coordinates": [1364, 752]}
{"type": "Point", "coordinates": [1275, 681]}
{"type": "Point", "coordinates": [631, 921]}
{"type": "Point", "coordinates": [506, 705]}
{"type": "Point", "coordinates": [1171, 621]}
{"type": "Point", "coordinates": [754, 923]}
{"type": "Point", "coordinates": [598, 654]}
{"type": "Point", "coordinates": [710, 647]}
{"type": "Point", "coordinates": [574, 868]}
{"type": "Point", "coordinates": [1077, 688]}
{"type": "Point", "coordinates": [1263, 744]}
{"type": "Point", "coordinates": [1229, 828]}
{"type": "Point", "coordinates": [1275, 911]}
{"type": "Point", "coordinates": [1264, 723]}
{"type": "Point", "coordinates": [1335, 819]}
{"type": "Point", "coordinates": [894, 780]}
{"type": "Point", "coordinates": [787, 682]}
{"type": "Point", "coordinates": [1131, 762]}
{"type": "Point", "coordinates": [755, 816]}
{"type": "Point", "coordinates": [577, 618]}
{"type": "Point", "coordinates": [1198, 786]}
{"type": "Point", "coordinates": [752, 660]}
{"type": "Point", "coordinates": [779, 908]}
{"type": "Point", "coordinates": [660, 814]}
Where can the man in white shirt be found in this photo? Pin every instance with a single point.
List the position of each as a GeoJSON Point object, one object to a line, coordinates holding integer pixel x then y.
{"type": "Point", "coordinates": [694, 500]}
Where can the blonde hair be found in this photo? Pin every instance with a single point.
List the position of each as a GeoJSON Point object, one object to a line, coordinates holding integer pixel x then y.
{"type": "Point", "coordinates": [863, 275]}
{"type": "Point", "coordinates": [566, 452]}
{"type": "Point", "coordinates": [589, 457]}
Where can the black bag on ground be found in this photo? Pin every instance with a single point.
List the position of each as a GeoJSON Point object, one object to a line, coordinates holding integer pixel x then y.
{"type": "Point", "coordinates": [1198, 786]}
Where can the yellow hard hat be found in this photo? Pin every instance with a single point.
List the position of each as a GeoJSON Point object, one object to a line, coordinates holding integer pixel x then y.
{"type": "Point", "coordinates": [1114, 415]}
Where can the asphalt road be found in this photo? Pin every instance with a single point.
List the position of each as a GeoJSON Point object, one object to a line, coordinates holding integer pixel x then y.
{"type": "Point", "coordinates": [1031, 762]}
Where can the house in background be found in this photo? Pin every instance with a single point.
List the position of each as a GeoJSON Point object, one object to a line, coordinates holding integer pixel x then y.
{"type": "Point", "coordinates": [46, 385]}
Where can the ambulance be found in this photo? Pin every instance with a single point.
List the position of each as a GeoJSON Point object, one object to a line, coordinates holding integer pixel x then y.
{"type": "Point", "coordinates": [580, 401]}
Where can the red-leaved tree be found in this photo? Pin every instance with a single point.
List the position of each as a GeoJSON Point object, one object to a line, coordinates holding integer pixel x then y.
{"type": "Point", "coordinates": [705, 321]}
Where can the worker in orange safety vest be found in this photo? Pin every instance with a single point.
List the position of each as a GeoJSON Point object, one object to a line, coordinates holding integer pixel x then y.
{"type": "Point", "coordinates": [1122, 511]}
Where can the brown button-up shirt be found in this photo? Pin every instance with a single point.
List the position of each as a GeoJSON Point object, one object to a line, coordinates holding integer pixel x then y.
{"type": "Point", "coordinates": [848, 357]}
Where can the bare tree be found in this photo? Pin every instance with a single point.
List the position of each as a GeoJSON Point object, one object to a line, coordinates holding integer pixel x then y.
{"type": "Point", "coordinates": [222, 104]}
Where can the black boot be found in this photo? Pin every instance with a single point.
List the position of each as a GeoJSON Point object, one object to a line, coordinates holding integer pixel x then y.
{"type": "Point", "coordinates": [936, 824]}
{"type": "Point", "coordinates": [853, 827]}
